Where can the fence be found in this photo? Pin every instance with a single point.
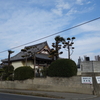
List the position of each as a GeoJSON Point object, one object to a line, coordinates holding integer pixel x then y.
{"type": "Point", "coordinates": [72, 84]}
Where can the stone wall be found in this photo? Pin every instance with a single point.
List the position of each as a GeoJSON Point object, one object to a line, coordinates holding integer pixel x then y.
{"type": "Point", "coordinates": [72, 84]}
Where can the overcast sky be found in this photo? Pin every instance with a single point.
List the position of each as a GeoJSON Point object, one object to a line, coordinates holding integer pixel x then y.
{"type": "Point", "coordinates": [23, 21]}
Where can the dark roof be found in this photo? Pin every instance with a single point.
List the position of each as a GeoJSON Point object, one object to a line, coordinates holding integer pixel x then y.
{"type": "Point", "coordinates": [43, 56]}
{"type": "Point", "coordinates": [36, 48]}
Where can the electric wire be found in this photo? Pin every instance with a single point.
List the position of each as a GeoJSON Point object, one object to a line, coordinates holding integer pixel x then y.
{"type": "Point", "coordinates": [53, 34]}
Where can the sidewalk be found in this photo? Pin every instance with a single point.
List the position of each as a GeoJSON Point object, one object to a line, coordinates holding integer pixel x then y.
{"type": "Point", "coordinates": [59, 95]}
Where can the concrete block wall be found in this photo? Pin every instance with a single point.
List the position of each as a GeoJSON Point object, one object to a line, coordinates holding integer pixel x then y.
{"type": "Point", "coordinates": [72, 84]}
{"type": "Point", "coordinates": [90, 66]}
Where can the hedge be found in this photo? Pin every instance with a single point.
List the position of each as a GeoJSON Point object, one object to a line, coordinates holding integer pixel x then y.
{"type": "Point", "coordinates": [23, 73]}
{"type": "Point", "coordinates": [62, 68]}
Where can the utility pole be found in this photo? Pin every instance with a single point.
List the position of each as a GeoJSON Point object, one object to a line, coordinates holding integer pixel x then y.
{"type": "Point", "coordinates": [95, 85]}
{"type": "Point", "coordinates": [34, 65]}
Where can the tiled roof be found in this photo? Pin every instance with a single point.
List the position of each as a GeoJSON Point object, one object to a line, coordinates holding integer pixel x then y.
{"type": "Point", "coordinates": [43, 56]}
{"type": "Point", "coordinates": [33, 48]}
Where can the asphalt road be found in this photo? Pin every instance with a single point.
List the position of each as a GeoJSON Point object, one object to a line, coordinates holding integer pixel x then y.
{"type": "Point", "coordinates": [41, 94]}
{"type": "Point", "coordinates": [7, 96]}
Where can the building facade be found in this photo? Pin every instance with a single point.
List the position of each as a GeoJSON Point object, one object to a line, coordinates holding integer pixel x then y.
{"type": "Point", "coordinates": [88, 66]}
{"type": "Point", "coordinates": [34, 56]}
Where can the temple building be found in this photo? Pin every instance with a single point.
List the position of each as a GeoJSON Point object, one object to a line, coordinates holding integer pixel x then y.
{"type": "Point", "coordinates": [35, 55]}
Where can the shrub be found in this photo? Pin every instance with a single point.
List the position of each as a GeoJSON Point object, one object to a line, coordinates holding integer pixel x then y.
{"type": "Point", "coordinates": [62, 68]}
{"type": "Point", "coordinates": [1, 71]}
{"type": "Point", "coordinates": [24, 72]}
{"type": "Point", "coordinates": [7, 71]}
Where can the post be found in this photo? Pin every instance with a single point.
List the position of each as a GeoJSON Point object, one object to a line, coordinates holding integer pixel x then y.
{"type": "Point", "coordinates": [93, 76]}
{"type": "Point", "coordinates": [95, 87]}
{"type": "Point", "coordinates": [26, 61]}
{"type": "Point", "coordinates": [34, 65]}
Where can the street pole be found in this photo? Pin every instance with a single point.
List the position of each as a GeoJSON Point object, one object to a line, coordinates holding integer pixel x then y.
{"type": "Point", "coordinates": [34, 65]}
{"type": "Point", "coordinates": [93, 76]}
{"type": "Point", "coordinates": [95, 87]}
{"type": "Point", "coordinates": [26, 60]}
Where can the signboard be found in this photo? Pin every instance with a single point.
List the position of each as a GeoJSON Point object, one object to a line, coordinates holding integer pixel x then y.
{"type": "Point", "coordinates": [86, 80]}
{"type": "Point", "coordinates": [98, 79]}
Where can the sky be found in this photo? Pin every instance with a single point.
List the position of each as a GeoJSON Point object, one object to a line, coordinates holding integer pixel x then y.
{"type": "Point", "coordinates": [23, 21]}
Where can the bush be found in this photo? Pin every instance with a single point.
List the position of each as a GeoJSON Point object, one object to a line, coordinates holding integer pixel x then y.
{"type": "Point", "coordinates": [62, 68]}
{"type": "Point", "coordinates": [7, 71]}
{"type": "Point", "coordinates": [1, 71]}
{"type": "Point", "coordinates": [10, 77]}
{"type": "Point", "coordinates": [24, 72]}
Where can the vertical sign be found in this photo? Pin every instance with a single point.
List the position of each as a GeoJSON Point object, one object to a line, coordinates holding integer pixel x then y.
{"type": "Point", "coordinates": [98, 79]}
{"type": "Point", "coordinates": [86, 80]}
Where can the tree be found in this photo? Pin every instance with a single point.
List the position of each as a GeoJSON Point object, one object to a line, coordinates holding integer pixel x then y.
{"type": "Point", "coordinates": [68, 46]}
{"type": "Point", "coordinates": [56, 47]}
{"type": "Point", "coordinates": [52, 54]}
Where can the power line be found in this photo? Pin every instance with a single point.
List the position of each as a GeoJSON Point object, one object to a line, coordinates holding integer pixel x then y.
{"type": "Point", "coordinates": [54, 33]}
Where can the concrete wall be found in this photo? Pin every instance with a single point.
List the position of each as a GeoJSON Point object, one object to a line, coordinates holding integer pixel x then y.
{"type": "Point", "coordinates": [50, 84]}
{"type": "Point", "coordinates": [90, 66]}
{"type": "Point", "coordinates": [96, 66]}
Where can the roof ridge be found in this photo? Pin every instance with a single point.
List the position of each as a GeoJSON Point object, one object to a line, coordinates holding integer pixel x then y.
{"type": "Point", "coordinates": [18, 56]}
{"type": "Point", "coordinates": [36, 44]}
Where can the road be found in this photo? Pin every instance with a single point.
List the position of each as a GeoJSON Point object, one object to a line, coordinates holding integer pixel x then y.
{"type": "Point", "coordinates": [7, 96]}
{"type": "Point", "coordinates": [67, 96]}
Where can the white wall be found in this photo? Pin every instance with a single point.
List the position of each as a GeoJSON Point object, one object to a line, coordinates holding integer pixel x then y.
{"type": "Point", "coordinates": [17, 64]}
{"type": "Point", "coordinates": [30, 63]}
{"type": "Point", "coordinates": [20, 63]}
